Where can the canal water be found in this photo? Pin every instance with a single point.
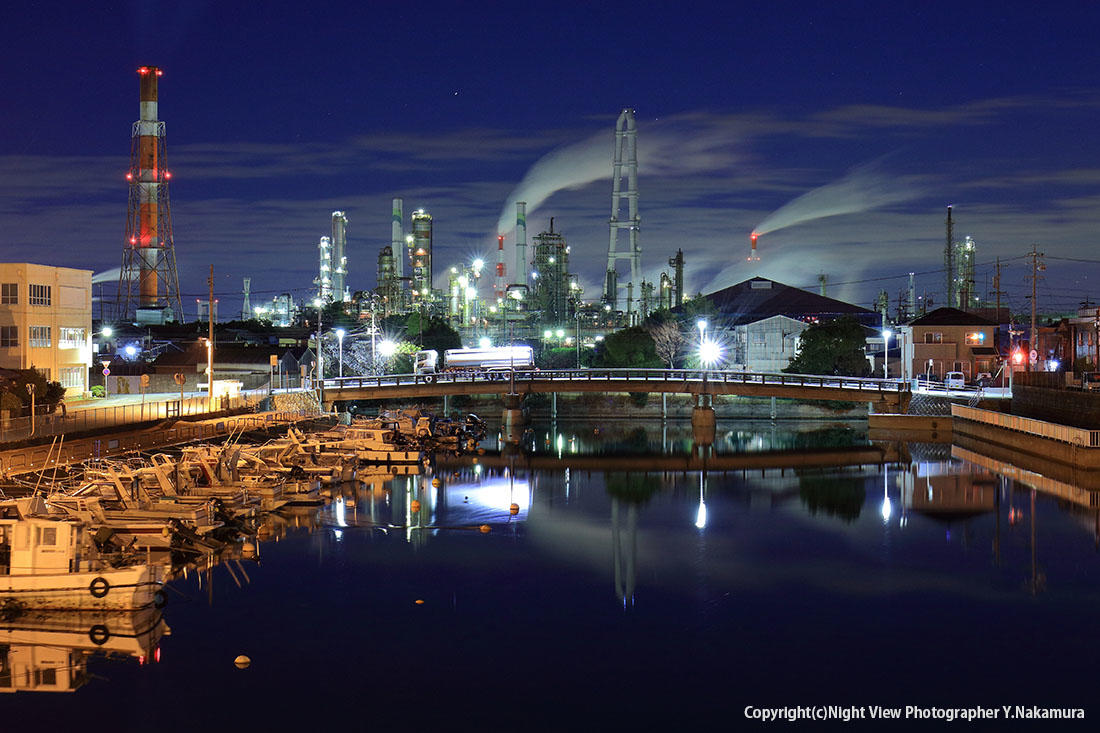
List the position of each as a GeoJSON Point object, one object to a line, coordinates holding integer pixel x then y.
{"type": "Point", "coordinates": [648, 594]}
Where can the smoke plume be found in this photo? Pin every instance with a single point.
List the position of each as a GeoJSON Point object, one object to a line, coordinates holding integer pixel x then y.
{"type": "Point", "coordinates": [675, 146]}
{"type": "Point", "coordinates": [864, 188]}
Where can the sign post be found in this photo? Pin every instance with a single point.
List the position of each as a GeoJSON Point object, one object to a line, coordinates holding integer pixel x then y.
{"type": "Point", "coordinates": [106, 373]}
{"type": "Point", "coordinates": [180, 379]}
{"type": "Point", "coordinates": [144, 384]}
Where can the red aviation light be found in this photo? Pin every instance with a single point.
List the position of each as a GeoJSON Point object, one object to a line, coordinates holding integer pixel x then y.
{"type": "Point", "coordinates": [753, 237]}
{"type": "Point", "coordinates": [143, 70]}
{"type": "Point", "coordinates": [133, 240]}
{"type": "Point", "coordinates": [167, 174]}
{"type": "Point", "coordinates": [160, 73]}
{"type": "Point", "coordinates": [156, 655]}
{"type": "Point", "coordinates": [129, 176]}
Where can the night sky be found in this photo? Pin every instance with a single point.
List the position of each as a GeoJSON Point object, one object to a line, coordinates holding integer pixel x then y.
{"type": "Point", "coordinates": [279, 113]}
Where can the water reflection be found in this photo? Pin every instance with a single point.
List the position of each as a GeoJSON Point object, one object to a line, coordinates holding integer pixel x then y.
{"type": "Point", "coordinates": [696, 544]}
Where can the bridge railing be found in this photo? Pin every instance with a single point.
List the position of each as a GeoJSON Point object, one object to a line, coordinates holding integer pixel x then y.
{"type": "Point", "coordinates": [862, 384]}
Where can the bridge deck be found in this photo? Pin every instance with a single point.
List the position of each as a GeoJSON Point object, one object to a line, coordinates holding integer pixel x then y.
{"type": "Point", "coordinates": [890, 392]}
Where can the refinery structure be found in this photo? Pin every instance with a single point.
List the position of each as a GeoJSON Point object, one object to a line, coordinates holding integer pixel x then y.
{"type": "Point", "coordinates": [528, 294]}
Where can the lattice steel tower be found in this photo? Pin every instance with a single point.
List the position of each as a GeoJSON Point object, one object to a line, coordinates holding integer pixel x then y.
{"type": "Point", "coordinates": [148, 282]}
{"type": "Point", "coordinates": [626, 146]}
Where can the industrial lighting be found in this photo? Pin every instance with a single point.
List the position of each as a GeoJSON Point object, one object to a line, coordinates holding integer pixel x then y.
{"type": "Point", "coordinates": [709, 352]}
{"type": "Point", "coordinates": [560, 332]}
{"type": "Point", "coordinates": [387, 348]}
{"type": "Point", "coordinates": [547, 333]}
{"type": "Point", "coordinates": [107, 332]}
{"type": "Point", "coordinates": [484, 342]}
{"type": "Point", "coordinates": [479, 263]}
{"type": "Point", "coordinates": [701, 324]}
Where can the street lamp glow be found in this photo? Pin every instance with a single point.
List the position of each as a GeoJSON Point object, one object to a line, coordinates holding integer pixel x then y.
{"type": "Point", "coordinates": [560, 333]}
{"type": "Point", "coordinates": [485, 342]}
{"type": "Point", "coordinates": [479, 263]}
{"type": "Point", "coordinates": [107, 332]}
{"type": "Point", "coordinates": [709, 352]}
{"type": "Point", "coordinates": [387, 348]}
{"type": "Point", "coordinates": [701, 324]}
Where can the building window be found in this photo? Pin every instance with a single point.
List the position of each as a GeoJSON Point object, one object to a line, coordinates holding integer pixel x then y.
{"type": "Point", "coordinates": [9, 294]}
{"type": "Point", "coordinates": [9, 336]}
{"type": "Point", "coordinates": [39, 294]}
{"type": "Point", "coordinates": [72, 377]}
{"type": "Point", "coordinates": [71, 338]}
{"type": "Point", "coordinates": [933, 338]}
{"type": "Point", "coordinates": [40, 337]}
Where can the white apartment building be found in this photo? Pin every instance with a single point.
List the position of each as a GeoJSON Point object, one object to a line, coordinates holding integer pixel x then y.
{"type": "Point", "coordinates": [46, 322]}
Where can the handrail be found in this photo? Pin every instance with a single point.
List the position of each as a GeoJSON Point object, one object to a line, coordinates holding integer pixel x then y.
{"type": "Point", "coordinates": [1030, 426]}
{"type": "Point", "coordinates": [863, 384]}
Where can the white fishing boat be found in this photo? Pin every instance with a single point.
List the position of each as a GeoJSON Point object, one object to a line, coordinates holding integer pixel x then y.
{"type": "Point", "coordinates": [49, 562]}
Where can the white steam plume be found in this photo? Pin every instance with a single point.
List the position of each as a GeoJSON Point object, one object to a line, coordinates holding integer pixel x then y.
{"type": "Point", "coordinates": [107, 276]}
{"type": "Point", "coordinates": [864, 188]}
{"type": "Point", "coordinates": [676, 146]}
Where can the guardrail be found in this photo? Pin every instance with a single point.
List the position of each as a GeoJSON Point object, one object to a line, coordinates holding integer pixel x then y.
{"type": "Point", "coordinates": [863, 384]}
{"type": "Point", "coordinates": [94, 418]}
{"type": "Point", "coordinates": [1030, 426]}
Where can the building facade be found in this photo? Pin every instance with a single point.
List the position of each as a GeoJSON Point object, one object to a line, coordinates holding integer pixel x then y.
{"type": "Point", "coordinates": [949, 340]}
{"type": "Point", "coordinates": [46, 322]}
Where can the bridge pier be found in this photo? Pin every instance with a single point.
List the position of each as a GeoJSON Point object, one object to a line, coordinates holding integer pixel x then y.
{"type": "Point", "coordinates": [703, 423]}
{"type": "Point", "coordinates": [511, 419]}
{"type": "Point", "coordinates": [553, 405]}
{"type": "Point", "coordinates": [446, 405]}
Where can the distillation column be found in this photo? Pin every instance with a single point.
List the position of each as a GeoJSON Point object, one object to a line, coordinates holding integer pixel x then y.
{"type": "Point", "coordinates": [626, 146]}
{"type": "Point", "coordinates": [339, 259]}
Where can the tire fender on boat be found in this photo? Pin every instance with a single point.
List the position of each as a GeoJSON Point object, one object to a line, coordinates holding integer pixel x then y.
{"type": "Point", "coordinates": [99, 587]}
{"type": "Point", "coordinates": [99, 634]}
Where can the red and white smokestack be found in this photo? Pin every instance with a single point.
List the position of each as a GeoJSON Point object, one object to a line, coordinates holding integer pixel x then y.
{"type": "Point", "coordinates": [501, 284]}
{"type": "Point", "coordinates": [145, 180]}
{"type": "Point", "coordinates": [753, 257]}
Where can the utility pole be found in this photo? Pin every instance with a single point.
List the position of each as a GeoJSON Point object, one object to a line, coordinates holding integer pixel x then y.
{"type": "Point", "coordinates": [210, 340]}
{"type": "Point", "coordinates": [1036, 267]}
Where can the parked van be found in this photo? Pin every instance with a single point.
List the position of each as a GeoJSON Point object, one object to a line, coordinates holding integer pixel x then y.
{"type": "Point", "coordinates": [954, 380]}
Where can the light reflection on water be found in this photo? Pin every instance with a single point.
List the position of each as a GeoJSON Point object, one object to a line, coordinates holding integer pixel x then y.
{"type": "Point", "coordinates": [646, 591]}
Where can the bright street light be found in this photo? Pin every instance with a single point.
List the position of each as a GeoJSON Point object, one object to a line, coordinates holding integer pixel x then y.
{"type": "Point", "coordinates": [387, 348]}
{"type": "Point", "coordinates": [709, 352]}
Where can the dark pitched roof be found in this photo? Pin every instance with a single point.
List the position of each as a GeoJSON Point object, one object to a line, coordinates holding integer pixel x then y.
{"type": "Point", "coordinates": [195, 353]}
{"type": "Point", "coordinates": [759, 298]}
{"type": "Point", "coordinates": [951, 317]}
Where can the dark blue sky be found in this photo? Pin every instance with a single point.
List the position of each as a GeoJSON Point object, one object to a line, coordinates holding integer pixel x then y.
{"type": "Point", "coordinates": [279, 113]}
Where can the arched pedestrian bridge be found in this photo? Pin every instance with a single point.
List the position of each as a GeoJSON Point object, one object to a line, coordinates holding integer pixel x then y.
{"type": "Point", "coordinates": [887, 395]}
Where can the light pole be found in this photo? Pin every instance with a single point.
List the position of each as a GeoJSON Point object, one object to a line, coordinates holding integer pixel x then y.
{"type": "Point", "coordinates": [318, 303]}
{"type": "Point", "coordinates": [886, 334]}
{"type": "Point", "coordinates": [340, 340]}
{"type": "Point", "coordinates": [578, 317]}
{"type": "Point", "coordinates": [209, 373]}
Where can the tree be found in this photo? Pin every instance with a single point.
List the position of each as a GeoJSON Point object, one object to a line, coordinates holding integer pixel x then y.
{"type": "Point", "coordinates": [667, 340]}
{"type": "Point", "coordinates": [631, 347]}
{"type": "Point", "coordinates": [46, 393]}
{"type": "Point", "coordinates": [834, 347]}
{"type": "Point", "coordinates": [432, 332]}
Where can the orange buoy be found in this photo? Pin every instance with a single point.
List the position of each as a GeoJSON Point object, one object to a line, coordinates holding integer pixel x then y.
{"type": "Point", "coordinates": [436, 483]}
{"type": "Point", "coordinates": [419, 601]}
{"type": "Point", "coordinates": [485, 529]}
{"type": "Point", "coordinates": [242, 661]}
{"type": "Point", "coordinates": [415, 506]}
{"type": "Point", "coordinates": [513, 509]}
